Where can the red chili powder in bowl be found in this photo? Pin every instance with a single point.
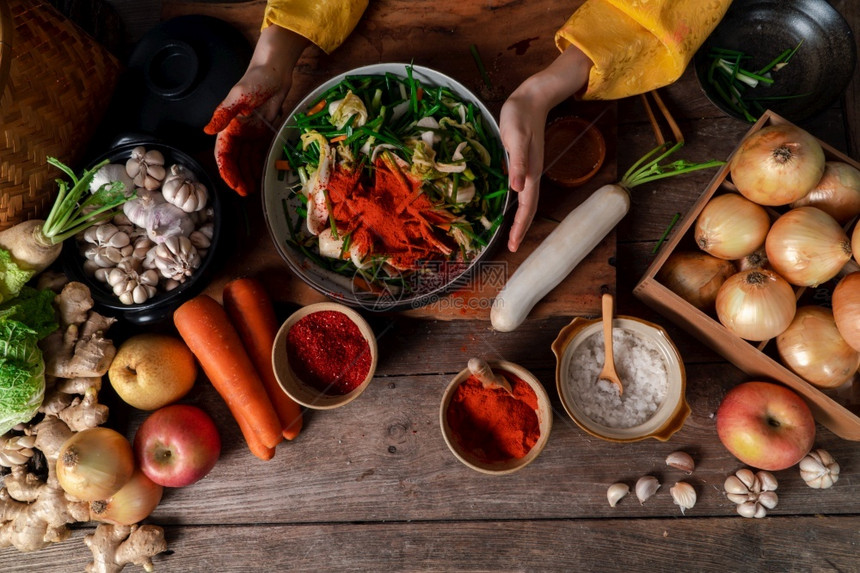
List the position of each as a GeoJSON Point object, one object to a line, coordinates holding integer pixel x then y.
{"type": "Point", "coordinates": [490, 423]}
{"type": "Point", "coordinates": [328, 351]}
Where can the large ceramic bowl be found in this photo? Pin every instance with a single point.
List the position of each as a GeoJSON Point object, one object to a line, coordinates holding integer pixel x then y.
{"type": "Point", "coordinates": [670, 414]}
{"type": "Point", "coordinates": [277, 199]}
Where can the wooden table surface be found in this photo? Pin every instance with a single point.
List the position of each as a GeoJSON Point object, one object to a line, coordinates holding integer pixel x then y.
{"type": "Point", "coordinates": [372, 486]}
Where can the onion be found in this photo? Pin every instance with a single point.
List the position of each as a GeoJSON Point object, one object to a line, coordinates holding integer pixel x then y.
{"type": "Point", "coordinates": [696, 277]}
{"type": "Point", "coordinates": [812, 347]}
{"type": "Point", "coordinates": [846, 309]}
{"type": "Point", "coordinates": [777, 165]}
{"type": "Point", "coordinates": [837, 192]}
{"type": "Point", "coordinates": [94, 463]}
{"type": "Point", "coordinates": [807, 246]}
{"type": "Point", "coordinates": [756, 305]}
{"type": "Point", "coordinates": [132, 503]}
{"type": "Point", "coordinates": [731, 227]}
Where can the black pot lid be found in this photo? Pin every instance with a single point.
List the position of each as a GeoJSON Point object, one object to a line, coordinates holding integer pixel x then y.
{"type": "Point", "coordinates": [175, 77]}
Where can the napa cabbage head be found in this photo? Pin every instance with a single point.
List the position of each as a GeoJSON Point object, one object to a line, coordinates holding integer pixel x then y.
{"type": "Point", "coordinates": [24, 321]}
{"type": "Point", "coordinates": [22, 374]}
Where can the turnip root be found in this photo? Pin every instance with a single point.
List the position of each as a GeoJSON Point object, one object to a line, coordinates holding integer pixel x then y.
{"type": "Point", "coordinates": [34, 245]}
{"type": "Point", "coordinates": [29, 247]}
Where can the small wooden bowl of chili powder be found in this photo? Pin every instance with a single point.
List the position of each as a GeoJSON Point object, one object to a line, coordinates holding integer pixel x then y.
{"type": "Point", "coordinates": [490, 430]}
{"type": "Point", "coordinates": [324, 355]}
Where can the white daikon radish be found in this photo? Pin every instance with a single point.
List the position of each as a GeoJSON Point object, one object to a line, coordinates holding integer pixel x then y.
{"type": "Point", "coordinates": [558, 255]}
{"type": "Point", "coordinates": [576, 236]}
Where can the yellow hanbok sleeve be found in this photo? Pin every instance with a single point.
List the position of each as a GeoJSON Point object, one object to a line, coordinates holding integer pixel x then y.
{"type": "Point", "coordinates": [326, 23]}
{"type": "Point", "coordinates": [638, 45]}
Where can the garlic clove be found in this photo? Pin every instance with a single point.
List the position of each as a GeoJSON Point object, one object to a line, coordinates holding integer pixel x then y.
{"type": "Point", "coordinates": [738, 497]}
{"type": "Point", "coordinates": [767, 480]}
{"type": "Point", "coordinates": [646, 486]}
{"type": "Point", "coordinates": [682, 461]}
{"type": "Point", "coordinates": [733, 485]}
{"type": "Point", "coordinates": [747, 477]}
{"type": "Point", "coordinates": [768, 499]}
{"type": "Point", "coordinates": [615, 492]}
{"type": "Point", "coordinates": [684, 495]}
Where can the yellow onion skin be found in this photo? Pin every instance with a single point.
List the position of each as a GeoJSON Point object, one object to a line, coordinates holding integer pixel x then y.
{"type": "Point", "coordinates": [696, 277]}
{"type": "Point", "coordinates": [855, 243]}
{"type": "Point", "coordinates": [846, 308]}
{"type": "Point", "coordinates": [777, 165]}
{"type": "Point", "coordinates": [807, 246]}
{"type": "Point", "coordinates": [837, 192]}
{"type": "Point", "coordinates": [813, 349]}
{"type": "Point", "coordinates": [731, 227]}
{"type": "Point", "coordinates": [756, 260]}
{"type": "Point", "coordinates": [756, 305]}
{"type": "Point", "coordinates": [94, 463]}
{"type": "Point", "coordinates": [132, 503]}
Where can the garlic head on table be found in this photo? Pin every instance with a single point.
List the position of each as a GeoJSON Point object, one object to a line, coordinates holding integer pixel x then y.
{"type": "Point", "coordinates": [819, 470]}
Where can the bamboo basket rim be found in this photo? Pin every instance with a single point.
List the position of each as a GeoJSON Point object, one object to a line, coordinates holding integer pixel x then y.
{"type": "Point", "coordinates": [5, 43]}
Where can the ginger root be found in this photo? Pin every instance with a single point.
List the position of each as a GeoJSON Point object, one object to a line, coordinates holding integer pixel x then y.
{"type": "Point", "coordinates": [34, 514]}
{"type": "Point", "coordinates": [78, 349]}
{"type": "Point", "coordinates": [115, 546]}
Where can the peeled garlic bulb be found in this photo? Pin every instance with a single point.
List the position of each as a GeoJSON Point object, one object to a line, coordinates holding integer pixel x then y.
{"type": "Point", "coordinates": [646, 486]}
{"type": "Point", "coordinates": [682, 461]}
{"type": "Point", "coordinates": [615, 492]}
{"type": "Point", "coordinates": [684, 495]}
{"type": "Point", "coordinates": [819, 470]}
{"type": "Point", "coordinates": [752, 492]}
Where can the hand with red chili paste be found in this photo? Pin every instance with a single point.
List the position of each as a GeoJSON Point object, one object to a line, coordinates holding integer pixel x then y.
{"type": "Point", "coordinates": [244, 121]}
{"type": "Point", "coordinates": [613, 49]}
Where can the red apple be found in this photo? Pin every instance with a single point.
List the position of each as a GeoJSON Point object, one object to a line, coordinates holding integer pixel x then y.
{"type": "Point", "coordinates": [177, 445]}
{"type": "Point", "coordinates": [765, 425]}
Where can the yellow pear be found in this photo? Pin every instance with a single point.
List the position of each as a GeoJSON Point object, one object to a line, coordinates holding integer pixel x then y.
{"type": "Point", "coordinates": [152, 370]}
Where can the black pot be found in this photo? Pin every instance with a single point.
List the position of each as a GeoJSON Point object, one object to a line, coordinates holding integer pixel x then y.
{"type": "Point", "coordinates": [159, 308]}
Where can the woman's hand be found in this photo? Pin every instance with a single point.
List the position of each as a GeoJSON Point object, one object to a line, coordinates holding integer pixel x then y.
{"type": "Point", "coordinates": [243, 120]}
{"type": "Point", "coordinates": [522, 122]}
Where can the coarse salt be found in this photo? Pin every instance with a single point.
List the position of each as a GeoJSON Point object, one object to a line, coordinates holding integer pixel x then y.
{"type": "Point", "coordinates": [643, 372]}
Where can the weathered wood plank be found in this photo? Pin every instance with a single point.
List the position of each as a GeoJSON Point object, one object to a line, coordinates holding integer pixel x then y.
{"type": "Point", "coordinates": [606, 545]}
{"type": "Point", "coordinates": [382, 458]}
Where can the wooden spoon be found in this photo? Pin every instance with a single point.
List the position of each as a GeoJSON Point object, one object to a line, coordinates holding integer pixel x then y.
{"type": "Point", "coordinates": [608, 373]}
{"type": "Point", "coordinates": [482, 371]}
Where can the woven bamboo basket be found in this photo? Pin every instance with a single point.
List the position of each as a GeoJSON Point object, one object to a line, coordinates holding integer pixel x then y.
{"type": "Point", "coordinates": [55, 85]}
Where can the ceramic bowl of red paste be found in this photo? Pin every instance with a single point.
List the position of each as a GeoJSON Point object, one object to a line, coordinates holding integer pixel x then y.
{"type": "Point", "coordinates": [324, 355]}
{"type": "Point", "coordinates": [493, 431]}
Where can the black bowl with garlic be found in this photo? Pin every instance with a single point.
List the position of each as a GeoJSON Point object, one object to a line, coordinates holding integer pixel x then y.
{"type": "Point", "coordinates": [155, 252]}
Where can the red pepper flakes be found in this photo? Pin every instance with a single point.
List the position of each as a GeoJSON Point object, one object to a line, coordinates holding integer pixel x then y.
{"type": "Point", "coordinates": [327, 350]}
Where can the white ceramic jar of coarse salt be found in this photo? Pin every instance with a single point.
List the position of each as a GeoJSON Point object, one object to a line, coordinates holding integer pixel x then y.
{"type": "Point", "coordinates": [651, 371]}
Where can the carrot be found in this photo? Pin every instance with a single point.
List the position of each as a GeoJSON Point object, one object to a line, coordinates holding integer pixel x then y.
{"type": "Point", "coordinates": [282, 165]}
{"type": "Point", "coordinates": [250, 309]}
{"type": "Point", "coordinates": [257, 447]}
{"type": "Point", "coordinates": [337, 138]}
{"type": "Point", "coordinates": [205, 327]}
{"type": "Point", "coordinates": [318, 107]}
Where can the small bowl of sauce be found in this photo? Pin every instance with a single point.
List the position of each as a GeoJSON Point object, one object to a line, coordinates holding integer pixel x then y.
{"type": "Point", "coordinates": [574, 151]}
